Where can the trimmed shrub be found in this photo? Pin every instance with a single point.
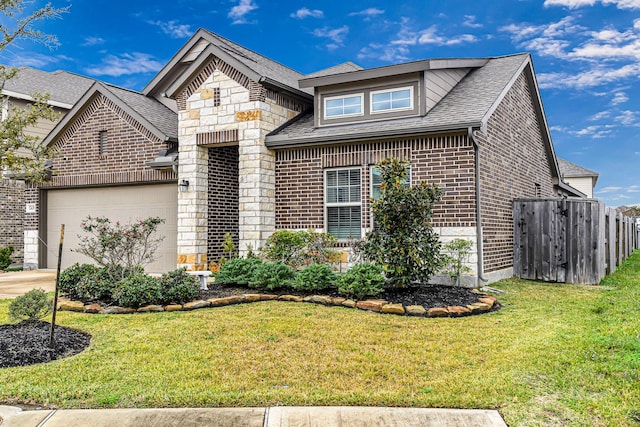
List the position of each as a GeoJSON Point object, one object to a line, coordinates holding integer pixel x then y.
{"type": "Point", "coordinates": [5, 257]}
{"type": "Point", "coordinates": [361, 281]}
{"type": "Point", "coordinates": [178, 286]}
{"type": "Point", "coordinates": [299, 248]}
{"type": "Point", "coordinates": [237, 271]}
{"type": "Point", "coordinates": [137, 290]}
{"type": "Point", "coordinates": [95, 287]}
{"type": "Point", "coordinates": [272, 275]}
{"type": "Point", "coordinates": [316, 277]}
{"type": "Point", "coordinates": [33, 305]}
{"type": "Point", "coordinates": [71, 276]}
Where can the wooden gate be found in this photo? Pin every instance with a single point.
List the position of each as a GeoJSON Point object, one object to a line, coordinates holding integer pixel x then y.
{"type": "Point", "coordinates": [560, 240]}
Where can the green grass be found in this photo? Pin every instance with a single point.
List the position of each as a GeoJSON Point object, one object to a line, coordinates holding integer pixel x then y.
{"type": "Point", "coordinates": [554, 355]}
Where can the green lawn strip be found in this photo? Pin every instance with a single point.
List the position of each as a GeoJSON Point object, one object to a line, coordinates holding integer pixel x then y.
{"type": "Point", "coordinates": [559, 354]}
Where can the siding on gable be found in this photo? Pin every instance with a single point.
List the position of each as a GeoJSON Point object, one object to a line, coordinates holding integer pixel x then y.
{"type": "Point", "coordinates": [512, 160]}
{"type": "Point", "coordinates": [583, 184]}
{"type": "Point", "coordinates": [440, 82]}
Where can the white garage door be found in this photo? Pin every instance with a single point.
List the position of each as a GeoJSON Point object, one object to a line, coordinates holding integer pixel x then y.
{"type": "Point", "coordinates": [124, 204]}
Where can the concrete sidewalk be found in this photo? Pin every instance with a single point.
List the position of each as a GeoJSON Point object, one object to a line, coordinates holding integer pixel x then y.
{"type": "Point", "coordinates": [20, 282]}
{"type": "Point", "coordinates": [278, 416]}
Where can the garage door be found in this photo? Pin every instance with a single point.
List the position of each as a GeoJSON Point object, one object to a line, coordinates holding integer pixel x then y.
{"type": "Point", "coordinates": [124, 204]}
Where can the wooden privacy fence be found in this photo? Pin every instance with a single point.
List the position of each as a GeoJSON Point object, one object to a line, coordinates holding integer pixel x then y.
{"type": "Point", "coordinates": [570, 240]}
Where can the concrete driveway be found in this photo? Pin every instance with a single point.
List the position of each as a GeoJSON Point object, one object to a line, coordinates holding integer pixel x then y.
{"type": "Point", "coordinates": [20, 282]}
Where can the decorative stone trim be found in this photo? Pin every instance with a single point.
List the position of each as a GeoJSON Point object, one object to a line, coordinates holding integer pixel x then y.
{"type": "Point", "coordinates": [485, 304]}
{"type": "Point", "coordinates": [218, 137]}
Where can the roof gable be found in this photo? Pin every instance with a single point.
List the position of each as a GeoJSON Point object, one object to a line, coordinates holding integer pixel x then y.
{"type": "Point", "coordinates": [155, 117]}
{"type": "Point", "coordinates": [204, 45]}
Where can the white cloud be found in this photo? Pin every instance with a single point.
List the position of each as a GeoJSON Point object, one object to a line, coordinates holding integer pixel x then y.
{"type": "Point", "coordinates": [594, 131]}
{"type": "Point", "coordinates": [634, 189]}
{"type": "Point", "coordinates": [306, 13]}
{"type": "Point", "coordinates": [385, 53]}
{"type": "Point", "coordinates": [606, 190]}
{"type": "Point", "coordinates": [470, 21]}
{"type": "Point", "coordinates": [125, 64]}
{"type": "Point", "coordinates": [336, 35]}
{"type": "Point", "coordinates": [173, 29]}
{"type": "Point", "coordinates": [93, 41]}
{"type": "Point", "coordinates": [619, 98]}
{"type": "Point", "coordinates": [239, 12]}
{"type": "Point", "coordinates": [430, 36]}
{"type": "Point", "coordinates": [549, 40]}
{"type": "Point", "coordinates": [573, 4]}
{"type": "Point", "coordinates": [590, 78]}
{"type": "Point", "coordinates": [368, 13]}
{"type": "Point", "coordinates": [33, 59]}
{"type": "Point", "coordinates": [628, 118]}
{"type": "Point", "coordinates": [601, 115]}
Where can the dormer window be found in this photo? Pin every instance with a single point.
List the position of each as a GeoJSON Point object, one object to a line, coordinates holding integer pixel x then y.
{"type": "Point", "coordinates": [343, 106]}
{"type": "Point", "coordinates": [383, 101]}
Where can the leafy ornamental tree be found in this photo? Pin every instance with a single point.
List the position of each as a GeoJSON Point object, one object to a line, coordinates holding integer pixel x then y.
{"type": "Point", "coordinates": [121, 249]}
{"type": "Point", "coordinates": [455, 258]}
{"type": "Point", "coordinates": [23, 154]}
{"type": "Point", "coordinates": [403, 241]}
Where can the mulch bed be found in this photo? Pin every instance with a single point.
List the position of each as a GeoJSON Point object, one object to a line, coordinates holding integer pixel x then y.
{"type": "Point", "coordinates": [27, 342]}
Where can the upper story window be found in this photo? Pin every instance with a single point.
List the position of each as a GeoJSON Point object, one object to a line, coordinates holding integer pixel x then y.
{"type": "Point", "coordinates": [343, 106]}
{"type": "Point", "coordinates": [383, 101]}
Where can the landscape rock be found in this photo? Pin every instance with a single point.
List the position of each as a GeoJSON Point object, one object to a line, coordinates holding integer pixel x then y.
{"type": "Point", "coordinates": [320, 299]}
{"type": "Point", "coordinates": [268, 297]}
{"type": "Point", "coordinates": [416, 310]}
{"type": "Point", "coordinates": [196, 304]}
{"type": "Point", "coordinates": [71, 306]}
{"type": "Point", "coordinates": [487, 299]}
{"type": "Point", "coordinates": [118, 310]}
{"type": "Point", "coordinates": [438, 312]}
{"type": "Point", "coordinates": [219, 302]}
{"type": "Point", "coordinates": [92, 308]}
{"type": "Point", "coordinates": [393, 309]}
{"type": "Point", "coordinates": [251, 297]}
{"type": "Point", "coordinates": [478, 307]}
{"type": "Point", "coordinates": [150, 308]}
{"type": "Point", "coordinates": [173, 307]}
{"type": "Point", "coordinates": [458, 310]}
{"type": "Point", "coordinates": [371, 305]}
{"type": "Point", "coordinates": [337, 300]}
{"type": "Point", "coordinates": [291, 298]}
{"type": "Point", "coordinates": [349, 303]}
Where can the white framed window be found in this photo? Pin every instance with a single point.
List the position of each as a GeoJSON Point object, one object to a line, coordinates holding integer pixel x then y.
{"type": "Point", "coordinates": [384, 101]}
{"type": "Point", "coordinates": [343, 204]}
{"type": "Point", "coordinates": [376, 181]}
{"type": "Point", "coordinates": [343, 106]}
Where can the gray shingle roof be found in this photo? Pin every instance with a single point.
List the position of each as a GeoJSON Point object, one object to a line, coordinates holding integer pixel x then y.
{"type": "Point", "coordinates": [466, 105]}
{"type": "Point", "coordinates": [260, 64]}
{"type": "Point", "coordinates": [568, 169]}
{"type": "Point", "coordinates": [62, 86]}
{"type": "Point", "coordinates": [345, 67]}
{"type": "Point", "coordinates": [160, 116]}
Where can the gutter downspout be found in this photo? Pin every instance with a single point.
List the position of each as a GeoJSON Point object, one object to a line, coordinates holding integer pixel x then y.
{"type": "Point", "coordinates": [476, 158]}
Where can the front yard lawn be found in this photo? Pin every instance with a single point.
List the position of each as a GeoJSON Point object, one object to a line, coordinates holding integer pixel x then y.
{"type": "Point", "coordinates": [553, 355]}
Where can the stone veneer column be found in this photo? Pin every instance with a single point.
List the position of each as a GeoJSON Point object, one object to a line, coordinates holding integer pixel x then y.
{"type": "Point", "coordinates": [31, 231]}
{"type": "Point", "coordinates": [257, 190]}
{"type": "Point", "coordinates": [192, 205]}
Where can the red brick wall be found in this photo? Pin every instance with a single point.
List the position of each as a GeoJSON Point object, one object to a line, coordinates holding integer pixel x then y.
{"type": "Point", "coordinates": [446, 161]}
{"type": "Point", "coordinates": [513, 159]}
{"type": "Point", "coordinates": [223, 209]}
{"type": "Point", "coordinates": [129, 148]}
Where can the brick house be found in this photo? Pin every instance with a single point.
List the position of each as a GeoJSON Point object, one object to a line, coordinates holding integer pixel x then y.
{"type": "Point", "coordinates": [262, 147]}
{"type": "Point", "coordinates": [64, 90]}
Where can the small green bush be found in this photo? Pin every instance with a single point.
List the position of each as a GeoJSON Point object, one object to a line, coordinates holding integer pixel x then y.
{"type": "Point", "coordinates": [97, 286]}
{"type": "Point", "coordinates": [178, 286]}
{"type": "Point", "coordinates": [31, 306]}
{"type": "Point", "coordinates": [5, 257]}
{"type": "Point", "coordinates": [299, 248]}
{"type": "Point", "coordinates": [271, 276]}
{"type": "Point", "coordinates": [137, 290]}
{"type": "Point", "coordinates": [316, 277]}
{"type": "Point", "coordinates": [237, 271]}
{"type": "Point", "coordinates": [71, 276]}
{"type": "Point", "coordinates": [361, 281]}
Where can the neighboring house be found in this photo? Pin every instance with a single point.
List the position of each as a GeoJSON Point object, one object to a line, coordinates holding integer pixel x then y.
{"type": "Point", "coordinates": [582, 179]}
{"type": "Point", "coordinates": [262, 147]}
{"type": "Point", "coordinates": [64, 90]}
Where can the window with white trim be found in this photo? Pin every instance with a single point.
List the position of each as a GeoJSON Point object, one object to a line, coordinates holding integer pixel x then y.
{"type": "Point", "coordinates": [343, 106]}
{"type": "Point", "coordinates": [343, 203]}
{"type": "Point", "coordinates": [376, 181]}
{"type": "Point", "coordinates": [383, 101]}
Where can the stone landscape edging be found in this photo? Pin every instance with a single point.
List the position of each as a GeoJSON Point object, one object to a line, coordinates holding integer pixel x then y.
{"type": "Point", "coordinates": [485, 304]}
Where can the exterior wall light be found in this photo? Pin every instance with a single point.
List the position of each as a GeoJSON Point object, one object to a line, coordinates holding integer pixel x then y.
{"type": "Point", "coordinates": [183, 186]}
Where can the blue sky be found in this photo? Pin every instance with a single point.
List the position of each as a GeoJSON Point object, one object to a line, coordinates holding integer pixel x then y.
{"type": "Point", "coordinates": [586, 53]}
